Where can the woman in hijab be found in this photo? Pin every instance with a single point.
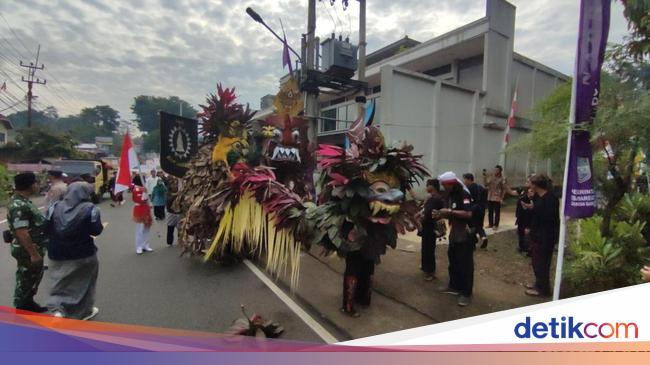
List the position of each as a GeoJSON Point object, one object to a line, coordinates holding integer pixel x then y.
{"type": "Point", "coordinates": [73, 268]}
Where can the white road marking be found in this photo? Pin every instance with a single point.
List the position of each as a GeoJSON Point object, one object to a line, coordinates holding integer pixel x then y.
{"type": "Point", "coordinates": [4, 220]}
{"type": "Point", "coordinates": [311, 322]}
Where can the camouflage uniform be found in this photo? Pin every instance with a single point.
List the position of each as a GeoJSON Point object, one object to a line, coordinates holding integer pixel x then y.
{"type": "Point", "coordinates": [22, 213]}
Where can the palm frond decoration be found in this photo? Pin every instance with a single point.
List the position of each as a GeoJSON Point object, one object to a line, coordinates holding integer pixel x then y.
{"type": "Point", "coordinates": [262, 219]}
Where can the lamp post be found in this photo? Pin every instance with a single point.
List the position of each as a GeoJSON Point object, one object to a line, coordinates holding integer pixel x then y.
{"type": "Point", "coordinates": [256, 17]}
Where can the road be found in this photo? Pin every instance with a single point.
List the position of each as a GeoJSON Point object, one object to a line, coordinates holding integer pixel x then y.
{"type": "Point", "coordinates": [164, 290]}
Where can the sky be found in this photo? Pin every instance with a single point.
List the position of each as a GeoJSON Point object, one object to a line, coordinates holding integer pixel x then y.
{"type": "Point", "coordinates": [108, 52]}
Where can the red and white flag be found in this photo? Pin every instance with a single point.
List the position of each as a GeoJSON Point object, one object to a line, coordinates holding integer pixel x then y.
{"type": "Point", "coordinates": [128, 161]}
{"type": "Point", "coordinates": [3, 87]}
{"type": "Point", "coordinates": [511, 119]}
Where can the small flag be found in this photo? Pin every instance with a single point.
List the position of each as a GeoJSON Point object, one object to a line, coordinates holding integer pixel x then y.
{"type": "Point", "coordinates": [4, 86]}
{"type": "Point", "coordinates": [511, 119]}
{"type": "Point", "coordinates": [286, 59]}
{"type": "Point", "coordinates": [128, 161]}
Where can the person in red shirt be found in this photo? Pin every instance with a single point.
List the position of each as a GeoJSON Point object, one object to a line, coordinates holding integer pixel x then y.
{"type": "Point", "coordinates": [141, 216]}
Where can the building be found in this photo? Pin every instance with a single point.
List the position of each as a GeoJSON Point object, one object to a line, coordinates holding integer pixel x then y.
{"type": "Point", "coordinates": [6, 131]}
{"type": "Point", "coordinates": [104, 144]}
{"type": "Point", "coordinates": [450, 97]}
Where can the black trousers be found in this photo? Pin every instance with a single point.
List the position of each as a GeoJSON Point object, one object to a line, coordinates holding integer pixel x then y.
{"type": "Point", "coordinates": [362, 269]}
{"type": "Point", "coordinates": [461, 267]}
{"type": "Point", "coordinates": [494, 213]}
{"type": "Point", "coordinates": [428, 252]}
{"type": "Point", "coordinates": [477, 222]}
{"type": "Point", "coordinates": [542, 254]}
{"type": "Point", "coordinates": [523, 239]}
{"type": "Point", "coordinates": [170, 235]}
{"type": "Point", "coordinates": [159, 211]}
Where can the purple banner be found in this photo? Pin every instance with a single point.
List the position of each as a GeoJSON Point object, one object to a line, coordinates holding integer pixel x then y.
{"type": "Point", "coordinates": [592, 40]}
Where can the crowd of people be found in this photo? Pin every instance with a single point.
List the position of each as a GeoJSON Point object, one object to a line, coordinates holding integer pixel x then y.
{"type": "Point", "coordinates": [463, 203]}
{"type": "Point", "coordinates": [67, 230]}
{"type": "Point", "coordinates": [66, 234]}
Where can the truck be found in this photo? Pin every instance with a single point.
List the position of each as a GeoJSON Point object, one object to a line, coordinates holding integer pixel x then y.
{"type": "Point", "coordinates": [96, 172]}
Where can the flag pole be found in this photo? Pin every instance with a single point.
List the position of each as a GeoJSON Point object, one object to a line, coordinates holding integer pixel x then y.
{"type": "Point", "coordinates": [559, 264]}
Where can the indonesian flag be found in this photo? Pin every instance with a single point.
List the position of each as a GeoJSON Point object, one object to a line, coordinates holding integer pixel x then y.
{"type": "Point", "coordinates": [511, 119]}
{"type": "Point", "coordinates": [3, 87]}
{"type": "Point", "coordinates": [128, 161]}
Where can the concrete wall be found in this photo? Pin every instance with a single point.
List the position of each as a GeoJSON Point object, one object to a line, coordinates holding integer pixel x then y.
{"type": "Point", "coordinates": [470, 73]}
{"type": "Point", "coordinates": [435, 117]}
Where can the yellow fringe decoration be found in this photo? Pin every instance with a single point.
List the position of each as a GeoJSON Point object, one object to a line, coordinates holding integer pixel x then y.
{"type": "Point", "coordinates": [246, 227]}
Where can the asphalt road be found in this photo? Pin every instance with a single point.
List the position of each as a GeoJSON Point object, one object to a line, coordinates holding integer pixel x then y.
{"type": "Point", "coordinates": [164, 290]}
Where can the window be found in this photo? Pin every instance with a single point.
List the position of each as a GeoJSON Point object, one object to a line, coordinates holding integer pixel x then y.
{"type": "Point", "coordinates": [3, 138]}
{"type": "Point", "coordinates": [442, 70]}
{"type": "Point", "coordinates": [376, 89]}
{"type": "Point", "coordinates": [330, 123]}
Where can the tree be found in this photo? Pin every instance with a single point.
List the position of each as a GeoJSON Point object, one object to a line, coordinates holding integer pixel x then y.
{"type": "Point", "coordinates": [151, 141]}
{"type": "Point", "coordinates": [101, 116]}
{"type": "Point", "coordinates": [637, 13]}
{"type": "Point", "coordinates": [621, 123]}
{"type": "Point", "coordinates": [146, 110]}
{"type": "Point", "coordinates": [38, 143]}
{"type": "Point", "coordinates": [39, 118]}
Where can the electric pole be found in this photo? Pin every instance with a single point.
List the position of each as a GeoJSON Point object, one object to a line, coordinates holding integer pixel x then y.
{"type": "Point", "coordinates": [32, 67]}
{"type": "Point", "coordinates": [362, 41]}
{"type": "Point", "coordinates": [311, 97]}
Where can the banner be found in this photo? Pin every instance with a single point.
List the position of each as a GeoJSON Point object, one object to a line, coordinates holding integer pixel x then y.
{"type": "Point", "coordinates": [580, 199]}
{"type": "Point", "coordinates": [178, 143]}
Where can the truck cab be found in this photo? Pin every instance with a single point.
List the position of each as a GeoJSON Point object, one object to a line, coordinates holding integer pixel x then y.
{"type": "Point", "coordinates": [95, 172]}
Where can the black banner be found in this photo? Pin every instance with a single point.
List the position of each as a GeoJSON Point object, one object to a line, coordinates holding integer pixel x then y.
{"type": "Point", "coordinates": [178, 143]}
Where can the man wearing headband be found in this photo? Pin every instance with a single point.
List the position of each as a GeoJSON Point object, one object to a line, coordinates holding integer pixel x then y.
{"type": "Point", "coordinates": [461, 245]}
{"type": "Point", "coordinates": [27, 226]}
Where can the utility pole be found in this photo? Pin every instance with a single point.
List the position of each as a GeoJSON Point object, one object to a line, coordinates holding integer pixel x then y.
{"type": "Point", "coordinates": [32, 67]}
{"type": "Point", "coordinates": [362, 41]}
{"type": "Point", "coordinates": [311, 98]}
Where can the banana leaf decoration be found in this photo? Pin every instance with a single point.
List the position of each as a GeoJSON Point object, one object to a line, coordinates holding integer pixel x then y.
{"type": "Point", "coordinates": [262, 219]}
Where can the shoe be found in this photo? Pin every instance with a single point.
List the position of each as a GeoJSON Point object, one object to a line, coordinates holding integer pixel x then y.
{"type": "Point", "coordinates": [92, 314]}
{"type": "Point", "coordinates": [138, 251]}
{"type": "Point", "coordinates": [463, 301]}
{"type": "Point", "coordinates": [148, 249]}
{"type": "Point", "coordinates": [530, 286]}
{"type": "Point", "coordinates": [535, 293]}
{"type": "Point", "coordinates": [448, 290]}
{"type": "Point", "coordinates": [58, 314]}
{"type": "Point", "coordinates": [485, 243]}
{"type": "Point", "coordinates": [33, 307]}
{"type": "Point", "coordinates": [429, 277]}
{"type": "Point", "coordinates": [495, 228]}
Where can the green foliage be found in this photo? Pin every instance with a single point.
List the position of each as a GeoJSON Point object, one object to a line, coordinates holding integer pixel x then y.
{"type": "Point", "coordinates": [596, 262]}
{"type": "Point", "coordinates": [146, 110]}
{"type": "Point", "coordinates": [100, 120]}
{"type": "Point", "coordinates": [151, 141]}
{"type": "Point", "coordinates": [6, 183]}
{"type": "Point", "coordinates": [118, 140]}
{"type": "Point", "coordinates": [37, 143]}
{"type": "Point", "coordinates": [637, 13]}
{"type": "Point", "coordinates": [548, 137]}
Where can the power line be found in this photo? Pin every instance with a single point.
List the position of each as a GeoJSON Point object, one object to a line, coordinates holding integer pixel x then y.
{"type": "Point", "coordinates": [31, 72]}
{"type": "Point", "coordinates": [53, 89]}
{"type": "Point", "coordinates": [14, 33]}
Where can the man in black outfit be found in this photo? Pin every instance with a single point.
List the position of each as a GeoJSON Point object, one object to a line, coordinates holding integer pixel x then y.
{"type": "Point", "coordinates": [461, 242]}
{"type": "Point", "coordinates": [524, 217]}
{"type": "Point", "coordinates": [434, 202]}
{"type": "Point", "coordinates": [479, 202]}
{"type": "Point", "coordinates": [544, 233]}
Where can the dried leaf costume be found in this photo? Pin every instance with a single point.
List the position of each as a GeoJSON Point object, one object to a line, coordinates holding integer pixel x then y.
{"type": "Point", "coordinates": [361, 206]}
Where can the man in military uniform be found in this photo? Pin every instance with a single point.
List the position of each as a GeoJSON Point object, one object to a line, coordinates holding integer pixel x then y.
{"type": "Point", "coordinates": [27, 226]}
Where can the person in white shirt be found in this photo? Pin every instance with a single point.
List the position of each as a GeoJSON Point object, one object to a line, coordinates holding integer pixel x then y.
{"type": "Point", "coordinates": [151, 182]}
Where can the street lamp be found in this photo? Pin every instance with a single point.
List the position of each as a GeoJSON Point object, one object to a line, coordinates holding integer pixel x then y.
{"type": "Point", "coordinates": [256, 17]}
